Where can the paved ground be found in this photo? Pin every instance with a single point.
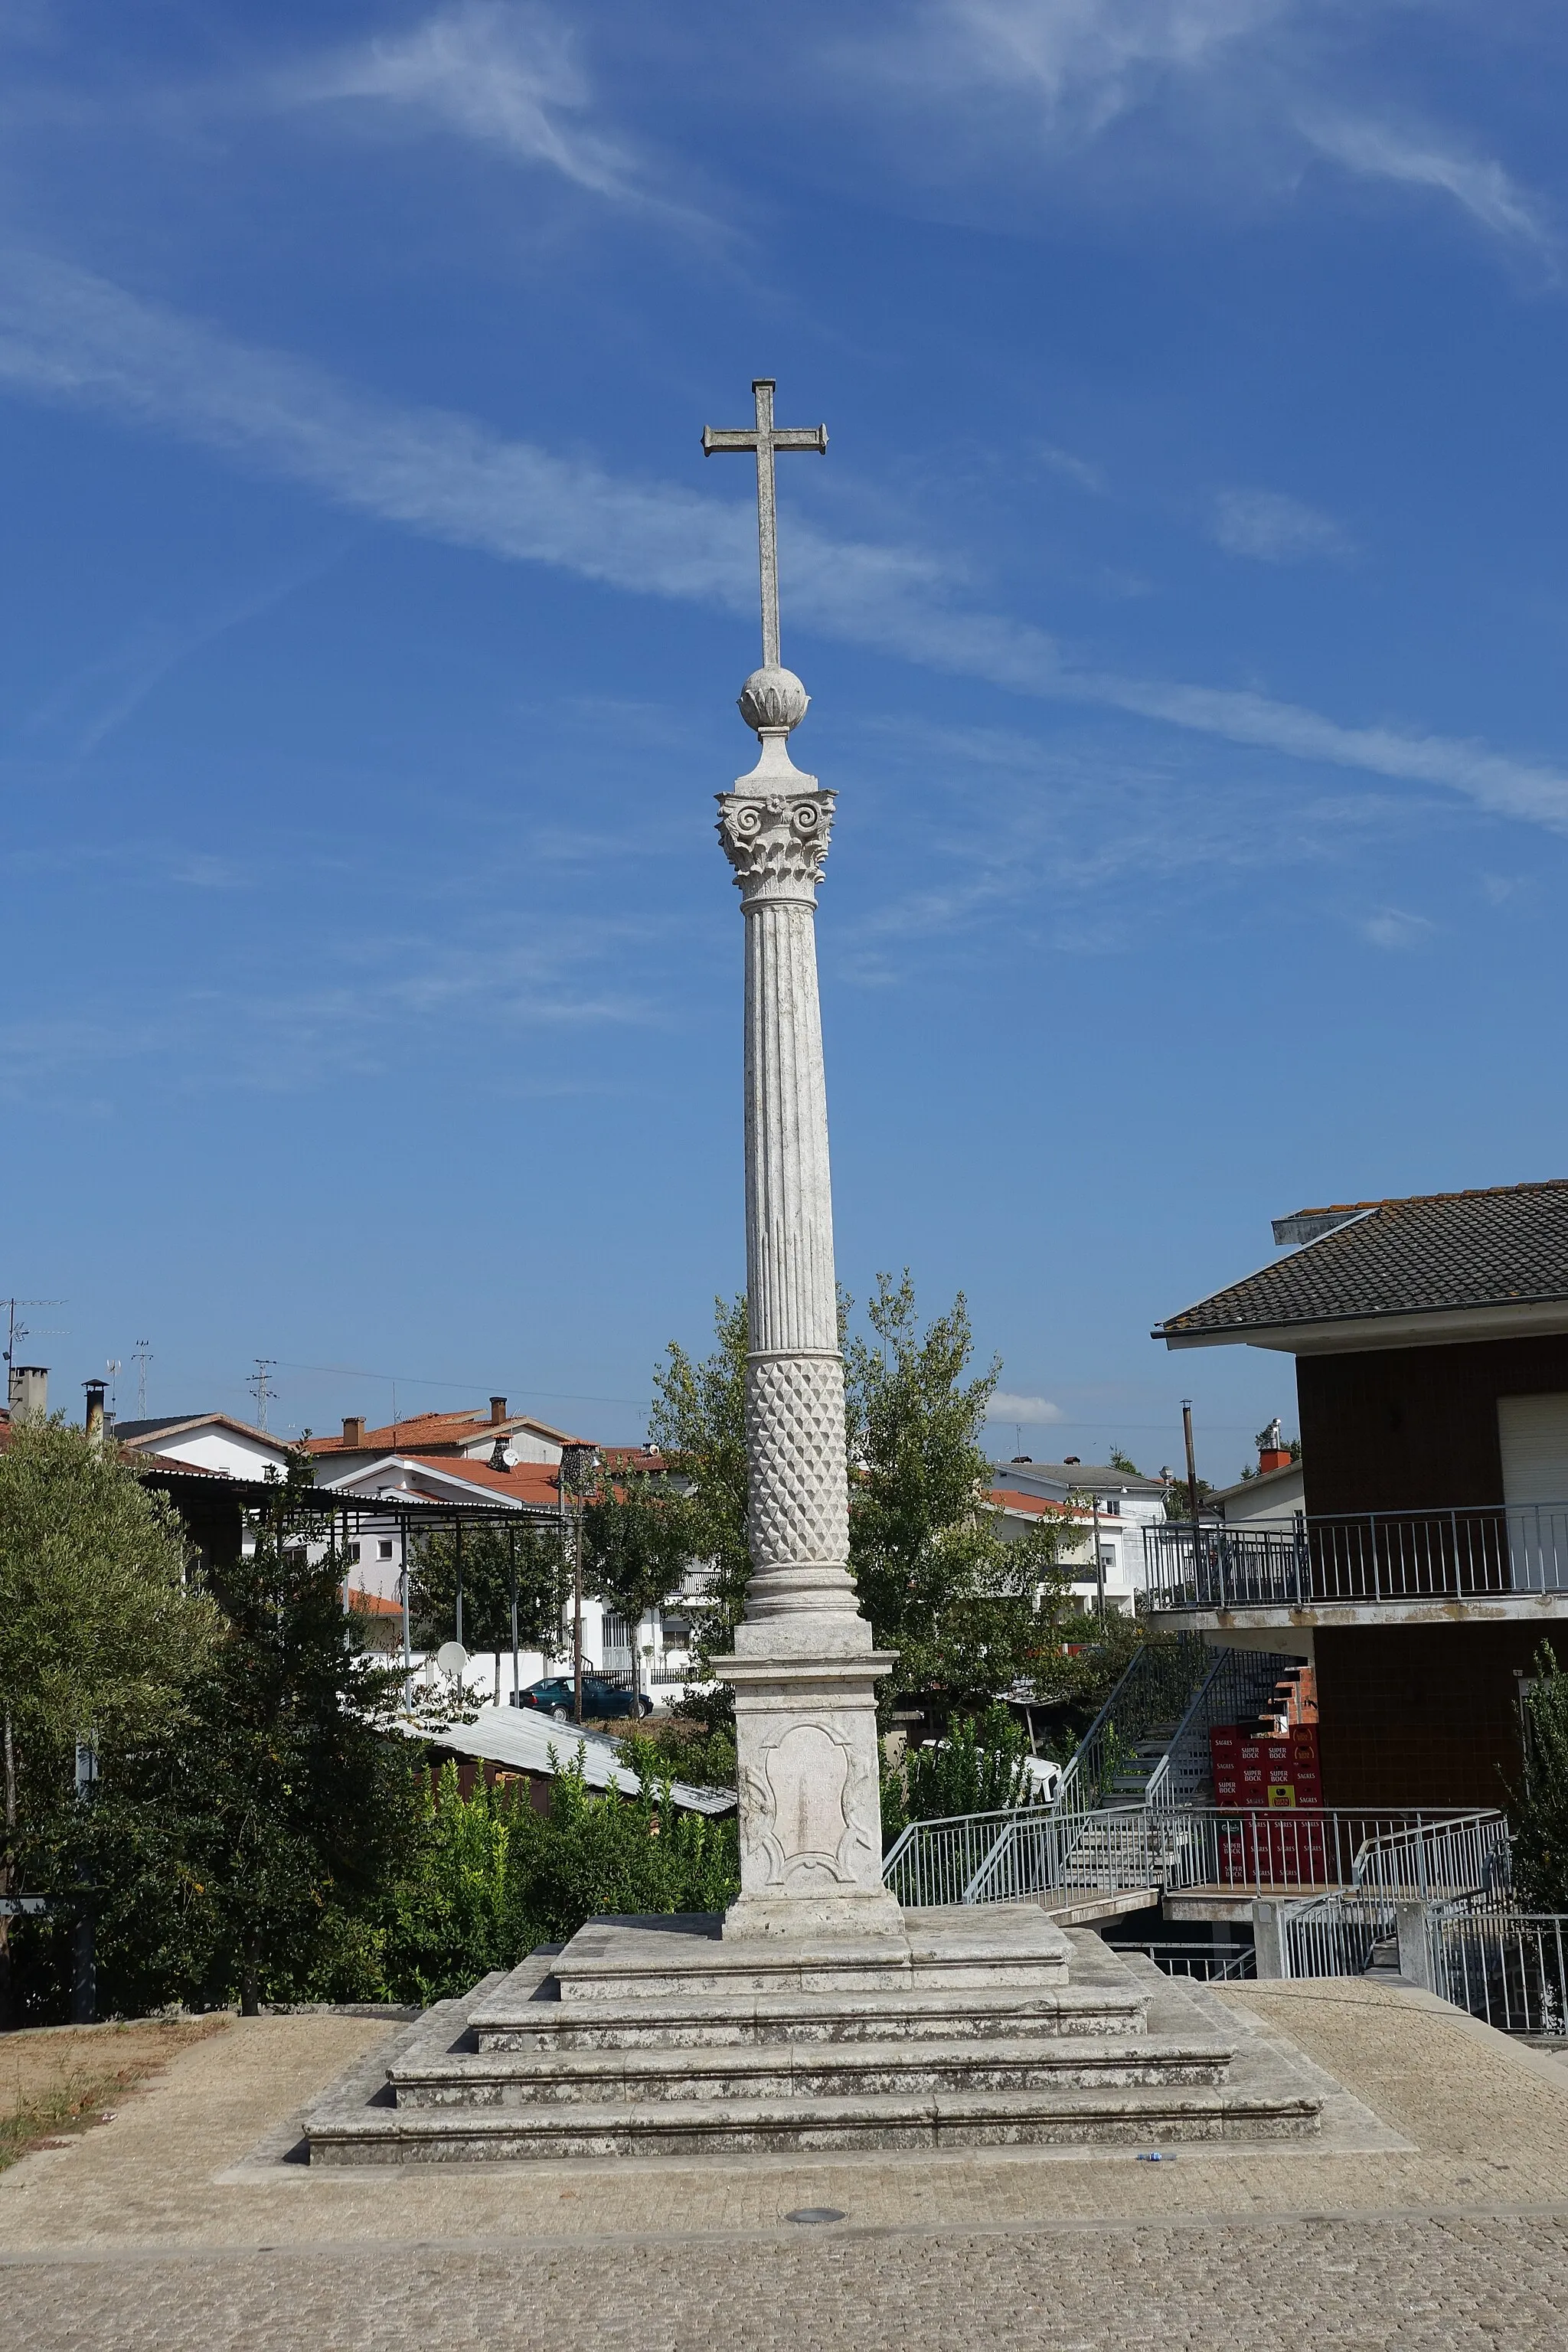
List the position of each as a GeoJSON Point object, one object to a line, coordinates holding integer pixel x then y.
{"type": "Point", "coordinates": [160, 2229]}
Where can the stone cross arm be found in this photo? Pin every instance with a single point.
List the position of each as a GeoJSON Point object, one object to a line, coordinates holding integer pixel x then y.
{"type": "Point", "coordinates": [764, 438]}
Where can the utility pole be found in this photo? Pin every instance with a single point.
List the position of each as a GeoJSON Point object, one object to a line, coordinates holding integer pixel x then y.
{"type": "Point", "coordinates": [576, 1477]}
{"type": "Point", "coordinates": [84, 1936]}
{"type": "Point", "coordinates": [142, 1356]}
{"type": "Point", "coordinates": [1192, 1466]}
{"type": "Point", "coordinates": [1099, 1561]}
{"type": "Point", "coordinates": [17, 1329]}
{"type": "Point", "coordinates": [261, 1387]}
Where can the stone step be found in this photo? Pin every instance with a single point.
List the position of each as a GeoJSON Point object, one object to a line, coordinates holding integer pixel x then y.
{"type": "Point", "coordinates": [1136, 2114]}
{"type": "Point", "coordinates": [489, 2079]}
{"type": "Point", "coordinates": [676, 1955]}
{"type": "Point", "coordinates": [523, 2015]}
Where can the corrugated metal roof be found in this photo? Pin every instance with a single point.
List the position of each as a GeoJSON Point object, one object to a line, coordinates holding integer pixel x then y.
{"type": "Point", "coordinates": [521, 1740]}
{"type": "Point", "coordinates": [1435, 1251]}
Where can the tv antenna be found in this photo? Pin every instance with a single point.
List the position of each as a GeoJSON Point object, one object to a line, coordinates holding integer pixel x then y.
{"type": "Point", "coordinates": [142, 1356]}
{"type": "Point", "coordinates": [15, 1328]}
{"type": "Point", "coordinates": [114, 1368]}
{"type": "Point", "coordinates": [262, 1387]}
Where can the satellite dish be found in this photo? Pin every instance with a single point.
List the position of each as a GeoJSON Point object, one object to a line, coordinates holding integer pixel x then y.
{"type": "Point", "coordinates": [453, 1659]}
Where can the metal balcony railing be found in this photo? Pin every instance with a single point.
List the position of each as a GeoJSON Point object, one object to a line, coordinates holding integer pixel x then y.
{"type": "Point", "coordinates": [1365, 1556]}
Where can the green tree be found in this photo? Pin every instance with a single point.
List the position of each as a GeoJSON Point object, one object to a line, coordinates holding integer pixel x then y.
{"type": "Point", "coordinates": [528, 1559]}
{"type": "Point", "coordinates": [488, 1877]}
{"type": "Point", "coordinates": [296, 1795]}
{"type": "Point", "coordinates": [1120, 1461]}
{"type": "Point", "coordinates": [966, 1608]}
{"type": "Point", "coordinates": [1539, 1808]}
{"type": "Point", "coordinates": [100, 1630]}
{"type": "Point", "coordinates": [698, 1424]}
{"type": "Point", "coordinates": [637, 1535]}
{"type": "Point", "coordinates": [977, 1768]}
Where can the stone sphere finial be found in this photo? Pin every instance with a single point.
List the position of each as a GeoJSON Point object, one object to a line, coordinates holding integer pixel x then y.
{"type": "Point", "coordinates": [774, 700]}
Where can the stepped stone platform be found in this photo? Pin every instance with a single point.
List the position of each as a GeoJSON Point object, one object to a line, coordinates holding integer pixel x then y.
{"type": "Point", "coordinates": [989, 2026]}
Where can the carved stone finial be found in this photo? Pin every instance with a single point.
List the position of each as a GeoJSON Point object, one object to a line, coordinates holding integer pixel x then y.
{"type": "Point", "coordinates": [773, 701]}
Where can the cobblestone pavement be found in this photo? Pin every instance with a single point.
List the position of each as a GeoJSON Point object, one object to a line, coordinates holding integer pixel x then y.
{"type": "Point", "coordinates": [1452, 2284]}
{"type": "Point", "coordinates": [161, 2230]}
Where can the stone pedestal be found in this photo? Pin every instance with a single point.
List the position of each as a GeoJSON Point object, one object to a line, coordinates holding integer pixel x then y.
{"type": "Point", "coordinates": [804, 1670]}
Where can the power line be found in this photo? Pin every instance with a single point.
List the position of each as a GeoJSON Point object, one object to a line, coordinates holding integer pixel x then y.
{"type": "Point", "coordinates": [467, 1388]}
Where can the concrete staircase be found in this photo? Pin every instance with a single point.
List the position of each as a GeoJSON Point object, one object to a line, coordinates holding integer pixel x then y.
{"type": "Point", "coordinates": [657, 2037]}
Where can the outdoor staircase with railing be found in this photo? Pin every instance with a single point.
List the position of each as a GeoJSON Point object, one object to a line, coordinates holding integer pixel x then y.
{"type": "Point", "coordinates": [1147, 1752]}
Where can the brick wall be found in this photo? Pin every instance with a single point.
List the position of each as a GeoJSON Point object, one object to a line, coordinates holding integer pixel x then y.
{"type": "Point", "coordinates": [1422, 1714]}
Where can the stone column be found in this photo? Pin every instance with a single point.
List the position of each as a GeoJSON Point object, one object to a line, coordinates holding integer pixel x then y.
{"type": "Point", "coordinates": [804, 1670]}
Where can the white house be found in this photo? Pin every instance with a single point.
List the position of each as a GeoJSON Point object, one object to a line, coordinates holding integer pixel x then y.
{"type": "Point", "coordinates": [1273, 1496]}
{"type": "Point", "coordinates": [477, 1475]}
{"type": "Point", "coordinates": [1110, 1509]}
{"type": "Point", "coordinates": [207, 1441]}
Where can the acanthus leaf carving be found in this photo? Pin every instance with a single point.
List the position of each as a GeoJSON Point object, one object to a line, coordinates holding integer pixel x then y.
{"type": "Point", "coordinates": [776, 842]}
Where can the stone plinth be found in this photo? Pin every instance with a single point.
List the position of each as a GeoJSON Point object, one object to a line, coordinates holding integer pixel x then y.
{"type": "Point", "coordinates": [962, 2028]}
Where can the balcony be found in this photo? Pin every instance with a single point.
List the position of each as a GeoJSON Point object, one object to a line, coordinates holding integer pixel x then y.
{"type": "Point", "coordinates": [1363, 1566]}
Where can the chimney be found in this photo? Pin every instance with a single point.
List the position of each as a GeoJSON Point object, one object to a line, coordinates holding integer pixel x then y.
{"type": "Point", "coordinates": [30, 1388]}
{"type": "Point", "coordinates": [498, 1411]}
{"type": "Point", "coordinates": [1273, 1453]}
{"type": "Point", "coordinates": [93, 1419]}
{"type": "Point", "coordinates": [354, 1430]}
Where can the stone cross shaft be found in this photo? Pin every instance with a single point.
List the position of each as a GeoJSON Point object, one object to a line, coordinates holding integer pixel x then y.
{"type": "Point", "coordinates": [803, 1669]}
{"type": "Point", "coordinates": [765, 439]}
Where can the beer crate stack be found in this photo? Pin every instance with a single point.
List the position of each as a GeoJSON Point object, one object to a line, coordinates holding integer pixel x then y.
{"type": "Point", "coordinates": [1271, 1781]}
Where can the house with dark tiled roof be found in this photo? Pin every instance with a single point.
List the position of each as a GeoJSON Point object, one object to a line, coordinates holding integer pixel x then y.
{"type": "Point", "coordinates": [1429, 1558]}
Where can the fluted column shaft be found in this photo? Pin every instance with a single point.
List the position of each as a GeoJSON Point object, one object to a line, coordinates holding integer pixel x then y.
{"type": "Point", "coordinates": [798, 1514]}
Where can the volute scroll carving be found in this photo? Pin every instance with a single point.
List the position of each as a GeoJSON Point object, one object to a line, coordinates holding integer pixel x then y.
{"type": "Point", "coordinates": [776, 842]}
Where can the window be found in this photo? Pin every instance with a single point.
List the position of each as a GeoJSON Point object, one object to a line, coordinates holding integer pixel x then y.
{"type": "Point", "coordinates": [384, 1548]}
{"type": "Point", "coordinates": [355, 1551]}
{"type": "Point", "coordinates": [1108, 1556]}
{"type": "Point", "coordinates": [1110, 1507]}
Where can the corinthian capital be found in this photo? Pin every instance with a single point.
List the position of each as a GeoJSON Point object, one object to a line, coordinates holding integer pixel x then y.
{"type": "Point", "coordinates": [776, 841]}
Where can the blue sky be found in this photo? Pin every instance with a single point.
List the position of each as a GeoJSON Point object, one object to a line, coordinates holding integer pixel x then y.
{"type": "Point", "coordinates": [1182, 597]}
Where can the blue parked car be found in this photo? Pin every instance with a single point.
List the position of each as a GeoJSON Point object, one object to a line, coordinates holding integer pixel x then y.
{"type": "Point", "coordinates": [556, 1697]}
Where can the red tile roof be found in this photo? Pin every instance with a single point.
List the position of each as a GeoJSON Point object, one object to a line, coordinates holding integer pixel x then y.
{"type": "Point", "coordinates": [1038, 1506]}
{"type": "Point", "coordinates": [429, 1431]}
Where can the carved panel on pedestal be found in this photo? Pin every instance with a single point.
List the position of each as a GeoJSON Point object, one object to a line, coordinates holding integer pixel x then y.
{"type": "Point", "coordinates": [806, 1795]}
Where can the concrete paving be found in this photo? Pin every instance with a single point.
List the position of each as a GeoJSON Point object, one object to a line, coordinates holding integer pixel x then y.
{"type": "Point", "coordinates": [177, 2225]}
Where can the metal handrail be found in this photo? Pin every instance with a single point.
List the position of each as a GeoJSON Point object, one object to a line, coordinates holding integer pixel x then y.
{"type": "Point", "coordinates": [1021, 1855]}
{"type": "Point", "coordinates": [1237, 1687]}
{"type": "Point", "coordinates": [1358, 1556]}
{"type": "Point", "coordinates": [1155, 1686]}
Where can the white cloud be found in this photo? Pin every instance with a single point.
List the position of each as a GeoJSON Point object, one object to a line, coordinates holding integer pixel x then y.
{"type": "Point", "coordinates": [1074, 470]}
{"type": "Point", "coordinates": [1028, 1411]}
{"type": "Point", "coordinates": [1274, 528]}
{"type": "Point", "coordinates": [1085, 57]}
{"type": "Point", "coordinates": [1379, 150]}
{"type": "Point", "coordinates": [1394, 927]}
{"type": "Point", "coordinates": [67, 336]}
{"type": "Point", "coordinates": [505, 75]}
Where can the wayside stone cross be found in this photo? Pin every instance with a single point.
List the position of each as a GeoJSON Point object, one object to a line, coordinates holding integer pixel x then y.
{"type": "Point", "coordinates": [765, 439]}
